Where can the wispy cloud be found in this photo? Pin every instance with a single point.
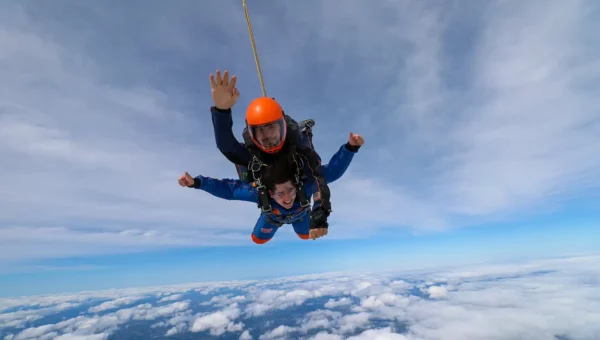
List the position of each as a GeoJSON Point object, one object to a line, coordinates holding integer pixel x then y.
{"type": "Point", "coordinates": [114, 304]}
{"type": "Point", "coordinates": [514, 129]}
{"type": "Point", "coordinates": [92, 155]}
{"type": "Point", "coordinates": [531, 137]}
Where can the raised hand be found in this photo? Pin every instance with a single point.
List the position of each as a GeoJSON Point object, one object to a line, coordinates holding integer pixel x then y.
{"type": "Point", "coordinates": [224, 92]}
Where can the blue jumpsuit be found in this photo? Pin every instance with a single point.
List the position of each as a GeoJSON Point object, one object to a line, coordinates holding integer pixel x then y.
{"type": "Point", "coordinates": [268, 223]}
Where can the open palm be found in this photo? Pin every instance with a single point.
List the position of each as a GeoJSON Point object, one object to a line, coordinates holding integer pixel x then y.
{"type": "Point", "coordinates": [224, 92]}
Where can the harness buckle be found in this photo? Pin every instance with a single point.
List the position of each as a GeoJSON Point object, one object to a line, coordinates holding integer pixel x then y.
{"type": "Point", "coordinates": [255, 165]}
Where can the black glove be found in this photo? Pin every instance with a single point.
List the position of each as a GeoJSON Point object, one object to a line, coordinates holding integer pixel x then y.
{"type": "Point", "coordinates": [352, 148]}
{"type": "Point", "coordinates": [324, 196]}
{"type": "Point", "coordinates": [318, 218]}
{"type": "Point", "coordinates": [197, 183]}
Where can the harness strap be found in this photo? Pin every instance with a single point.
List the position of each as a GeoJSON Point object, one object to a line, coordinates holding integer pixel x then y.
{"type": "Point", "coordinates": [272, 221]}
{"type": "Point", "coordinates": [256, 167]}
{"type": "Point", "coordinates": [299, 184]}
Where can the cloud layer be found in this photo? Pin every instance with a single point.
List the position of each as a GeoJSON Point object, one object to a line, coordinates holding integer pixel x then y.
{"type": "Point", "coordinates": [544, 299]}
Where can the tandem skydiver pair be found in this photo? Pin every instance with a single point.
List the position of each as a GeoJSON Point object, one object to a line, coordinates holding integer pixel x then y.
{"type": "Point", "coordinates": [278, 167]}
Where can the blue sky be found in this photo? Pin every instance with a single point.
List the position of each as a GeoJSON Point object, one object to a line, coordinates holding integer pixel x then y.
{"type": "Point", "coordinates": [480, 124]}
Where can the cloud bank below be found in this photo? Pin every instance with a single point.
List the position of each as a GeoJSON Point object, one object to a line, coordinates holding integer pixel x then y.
{"type": "Point", "coordinates": [542, 299]}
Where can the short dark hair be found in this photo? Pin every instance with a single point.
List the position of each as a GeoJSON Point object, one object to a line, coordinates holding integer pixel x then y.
{"type": "Point", "coordinates": [278, 173]}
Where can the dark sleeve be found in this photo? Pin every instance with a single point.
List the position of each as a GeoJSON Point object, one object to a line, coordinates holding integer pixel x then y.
{"type": "Point", "coordinates": [229, 146]}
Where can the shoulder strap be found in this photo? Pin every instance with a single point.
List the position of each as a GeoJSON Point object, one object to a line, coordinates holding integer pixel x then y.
{"type": "Point", "coordinates": [299, 183]}
{"type": "Point", "coordinates": [306, 127]}
{"type": "Point", "coordinates": [293, 131]}
{"type": "Point", "coordinates": [257, 167]}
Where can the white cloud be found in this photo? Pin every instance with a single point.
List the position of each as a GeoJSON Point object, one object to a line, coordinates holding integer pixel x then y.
{"type": "Point", "coordinates": [65, 301]}
{"type": "Point", "coordinates": [349, 323]}
{"type": "Point", "coordinates": [326, 336]}
{"type": "Point", "coordinates": [277, 333]}
{"type": "Point", "coordinates": [224, 300]}
{"type": "Point", "coordinates": [246, 335]}
{"type": "Point", "coordinates": [320, 319]}
{"type": "Point", "coordinates": [122, 301]}
{"type": "Point", "coordinates": [337, 303]}
{"type": "Point", "coordinates": [36, 332]}
{"type": "Point", "coordinates": [101, 336]}
{"type": "Point", "coordinates": [533, 299]}
{"type": "Point", "coordinates": [219, 322]}
{"type": "Point", "coordinates": [383, 300]}
{"type": "Point", "coordinates": [437, 291]}
{"type": "Point", "coordinates": [21, 318]}
{"type": "Point", "coordinates": [530, 304]}
{"type": "Point", "coordinates": [51, 301]}
{"type": "Point", "coordinates": [99, 326]}
{"type": "Point", "coordinates": [173, 297]}
{"type": "Point", "coordinates": [151, 313]}
{"type": "Point", "coordinates": [179, 323]}
{"type": "Point", "coordinates": [378, 334]}
{"type": "Point", "coordinates": [278, 299]}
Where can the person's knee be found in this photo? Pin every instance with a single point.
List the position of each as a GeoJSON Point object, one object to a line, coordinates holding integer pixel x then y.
{"type": "Point", "coordinates": [258, 240]}
{"type": "Point", "coordinates": [264, 230]}
{"type": "Point", "coordinates": [303, 236]}
{"type": "Point", "coordinates": [302, 228]}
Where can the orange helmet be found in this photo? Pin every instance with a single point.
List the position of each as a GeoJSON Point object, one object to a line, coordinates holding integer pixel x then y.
{"type": "Point", "coordinates": [266, 124]}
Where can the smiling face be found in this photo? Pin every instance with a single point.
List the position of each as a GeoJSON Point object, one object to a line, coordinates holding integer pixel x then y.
{"type": "Point", "coordinates": [269, 135]}
{"type": "Point", "coordinates": [284, 194]}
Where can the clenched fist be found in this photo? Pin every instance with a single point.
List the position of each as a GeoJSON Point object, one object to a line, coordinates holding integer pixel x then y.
{"type": "Point", "coordinates": [186, 180]}
{"type": "Point", "coordinates": [318, 232]}
{"type": "Point", "coordinates": [356, 139]}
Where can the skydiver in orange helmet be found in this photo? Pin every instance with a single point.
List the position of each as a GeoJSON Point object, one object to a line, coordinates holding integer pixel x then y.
{"type": "Point", "coordinates": [270, 136]}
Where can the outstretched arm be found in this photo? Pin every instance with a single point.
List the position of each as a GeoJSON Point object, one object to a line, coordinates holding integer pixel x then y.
{"type": "Point", "coordinates": [229, 146]}
{"type": "Point", "coordinates": [229, 189]}
{"type": "Point", "coordinates": [339, 162]}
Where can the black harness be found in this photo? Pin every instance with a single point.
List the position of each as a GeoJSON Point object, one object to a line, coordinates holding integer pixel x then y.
{"type": "Point", "coordinates": [256, 166]}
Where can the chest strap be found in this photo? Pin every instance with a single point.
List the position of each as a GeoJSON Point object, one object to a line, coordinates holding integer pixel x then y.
{"type": "Point", "coordinates": [256, 166]}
